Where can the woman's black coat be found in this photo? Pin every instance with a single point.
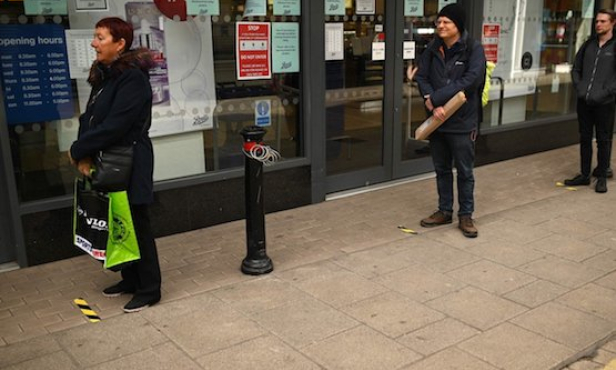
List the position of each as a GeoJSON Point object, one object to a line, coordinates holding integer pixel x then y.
{"type": "Point", "coordinates": [119, 112]}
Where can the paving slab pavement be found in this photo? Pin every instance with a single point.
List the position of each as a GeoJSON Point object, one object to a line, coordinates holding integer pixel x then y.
{"type": "Point", "coordinates": [535, 290]}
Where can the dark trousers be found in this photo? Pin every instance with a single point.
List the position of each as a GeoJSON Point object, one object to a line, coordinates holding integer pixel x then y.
{"type": "Point", "coordinates": [144, 275]}
{"type": "Point", "coordinates": [458, 149]}
{"type": "Point", "coordinates": [599, 118]}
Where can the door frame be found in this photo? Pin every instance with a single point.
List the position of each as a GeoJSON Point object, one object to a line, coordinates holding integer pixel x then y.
{"type": "Point", "coordinates": [12, 246]}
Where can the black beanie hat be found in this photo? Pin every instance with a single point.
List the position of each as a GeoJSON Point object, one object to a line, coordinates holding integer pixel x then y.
{"type": "Point", "coordinates": [456, 14]}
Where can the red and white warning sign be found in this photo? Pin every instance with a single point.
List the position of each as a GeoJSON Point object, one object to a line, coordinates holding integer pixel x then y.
{"type": "Point", "coordinates": [252, 46]}
{"type": "Point", "coordinates": [490, 38]}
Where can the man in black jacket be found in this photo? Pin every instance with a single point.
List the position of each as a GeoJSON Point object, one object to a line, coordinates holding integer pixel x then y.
{"type": "Point", "coordinates": [594, 80]}
{"type": "Point", "coordinates": [453, 62]}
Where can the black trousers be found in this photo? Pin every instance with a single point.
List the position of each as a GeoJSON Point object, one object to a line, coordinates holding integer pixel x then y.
{"type": "Point", "coordinates": [599, 118]}
{"type": "Point", "coordinates": [144, 275]}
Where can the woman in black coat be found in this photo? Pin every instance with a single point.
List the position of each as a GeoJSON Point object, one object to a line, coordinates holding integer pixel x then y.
{"type": "Point", "coordinates": [119, 112]}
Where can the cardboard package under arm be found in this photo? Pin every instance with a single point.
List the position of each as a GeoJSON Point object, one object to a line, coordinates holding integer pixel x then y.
{"type": "Point", "coordinates": [431, 124]}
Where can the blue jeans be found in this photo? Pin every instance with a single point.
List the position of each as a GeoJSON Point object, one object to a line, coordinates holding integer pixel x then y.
{"type": "Point", "coordinates": [459, 149]}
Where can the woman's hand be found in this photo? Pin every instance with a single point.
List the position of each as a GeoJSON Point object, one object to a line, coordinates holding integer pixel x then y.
{"type": "Point", "coordinates": [85, 166]}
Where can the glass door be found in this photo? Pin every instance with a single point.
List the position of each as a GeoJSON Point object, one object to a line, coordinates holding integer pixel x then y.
{"type": "Point", "coordinates": [354, 69]}
{"type": "Point", "coordinates": [418, 32]}
{"type": "Point", "coordinates": [372, 109]}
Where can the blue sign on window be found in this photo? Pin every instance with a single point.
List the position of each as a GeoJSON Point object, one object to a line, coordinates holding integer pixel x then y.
{"type": "Point", "coordinates": [263, 113]}
{"type": "Point", "coordinates": [35, 74]}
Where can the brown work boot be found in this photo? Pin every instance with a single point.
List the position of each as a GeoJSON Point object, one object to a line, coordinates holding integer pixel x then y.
{"type": "Point", "coordinates": [437, 218]}
{"type": "Point", "coordinates": [466, 225]}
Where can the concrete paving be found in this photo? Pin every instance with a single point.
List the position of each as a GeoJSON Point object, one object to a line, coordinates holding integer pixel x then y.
{"type": "Point", "coordinates": [535, 291]}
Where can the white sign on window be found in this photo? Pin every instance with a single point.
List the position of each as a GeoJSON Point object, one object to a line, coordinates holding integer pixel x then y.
{"type": "Point", "coordinates": [409, 50]}
{"type": "Point", "coordinates": [365, 7]}
{"type": "Point", "coordinates": [334, 41]}
{"type": "Point", "coordinates": [378, 51]}
{"type": "Point", "coordinates": [444, 3]}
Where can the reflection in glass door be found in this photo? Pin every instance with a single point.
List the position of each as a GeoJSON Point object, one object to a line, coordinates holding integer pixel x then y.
{"type": "Point", "coordinates": [419, 30]}
{"type": "Point", "coordinates": [355, 59]}
{"type": "Point", "coordinates": [372, 110]}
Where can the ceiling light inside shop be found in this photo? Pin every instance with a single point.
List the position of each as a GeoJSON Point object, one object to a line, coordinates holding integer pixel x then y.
{"type": "Point", "coordinates": [425, 31]}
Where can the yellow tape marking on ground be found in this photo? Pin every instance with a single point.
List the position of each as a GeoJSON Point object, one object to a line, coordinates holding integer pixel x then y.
{"type": "Point", "coordinates": [611, 365]}
{"type": "Point", "coordinates": [86, 310]}
{"type": "Point", "coordinates": [560, 184]}
{"type": "Point", "coordinates": [571, 188]}
{"type": "Point", "coordinates": [406, 230]}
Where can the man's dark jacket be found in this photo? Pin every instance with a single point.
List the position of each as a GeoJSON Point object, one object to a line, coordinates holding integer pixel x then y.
{"type": "Point", "coordinates": [464, 71]}
{"type": "Point", "coordinates": [594, 72]}
{"type": "Point", "coordinates": [119, 113]}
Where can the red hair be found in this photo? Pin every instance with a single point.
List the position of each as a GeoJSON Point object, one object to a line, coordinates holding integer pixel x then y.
{"type": "Point", "coordinates": [119, 29]}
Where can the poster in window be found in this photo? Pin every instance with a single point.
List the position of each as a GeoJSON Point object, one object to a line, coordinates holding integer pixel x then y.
{"type": "Point", "coordinates": [183, 83]}
{"type": "Point", "coordinates": [285, 47]}
{"type": "Point", "coordinates": [34, 73]}
{"type": "Point", "coordinates": [334, 7]}
{"type": "Point", "coordinates": [80, 53]}
{"type": "Point", "coordinates": [490, 40]}
{"type": "Point", "coordinates": [364, 7]}
{"type": "Point", "coordinates": [203, 7]}
{"type": "Point", "coordinates": [444, 3]}
{"type": "Point", "coordinates": [148, 33]}
{"type": "Point", "coordinates": [45, 7]}
{"type": "Point", "coordinates": [414, 8]}
{"type": "Point", "coordinates": [334, 41]}
{"type": "Point", "coordinates": [255, 8]}
{"type": "Point", "coordinates": [252, 46]}
{"type": "Point", "coordinates": [88, 5]}
{"type": "Point", "coordinates": [287, 7]}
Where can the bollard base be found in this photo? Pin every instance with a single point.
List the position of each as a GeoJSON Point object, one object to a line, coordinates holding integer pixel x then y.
{"type": "Point", "coordinates": [257, 267]}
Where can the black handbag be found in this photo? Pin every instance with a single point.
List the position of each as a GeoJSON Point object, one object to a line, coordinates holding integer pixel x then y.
{"type": "Point", "coordinates": [112, 169]}
{"type": "Point", "coordinates": [113, 166]}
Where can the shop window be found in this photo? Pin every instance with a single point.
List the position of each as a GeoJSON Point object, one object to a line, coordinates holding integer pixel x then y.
{"type": "Point", "coordinates": [203, 94]}
{"type": "Point", "coordinates": [533, 45]}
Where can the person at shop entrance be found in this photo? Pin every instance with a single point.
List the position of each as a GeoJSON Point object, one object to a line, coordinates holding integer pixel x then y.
{"type": "Point", "coordinates": [119, 112]}
{"type": "Point", "coordinates": [594, 79]}
{"type": "Point", "coordinates": [453, 62]}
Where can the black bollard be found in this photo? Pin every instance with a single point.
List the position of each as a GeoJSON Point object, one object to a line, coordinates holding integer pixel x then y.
{"type": "Point", "coordinates": [256, 262]}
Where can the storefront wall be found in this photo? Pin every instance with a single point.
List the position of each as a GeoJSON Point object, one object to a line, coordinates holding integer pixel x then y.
{"type": "Point", "coordinates": [340, 121]}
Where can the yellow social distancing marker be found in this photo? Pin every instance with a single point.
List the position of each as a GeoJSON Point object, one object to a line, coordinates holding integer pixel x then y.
{"type": "Point", "coordinates": [611, 365]}
{"type": "Point", "coordinates": [86, 310]}
{"type": "Point", "coordinates": [404, 229]}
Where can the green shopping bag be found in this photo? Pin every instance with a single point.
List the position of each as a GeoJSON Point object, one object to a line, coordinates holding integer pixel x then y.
{"type": "Point", "coordinates": [122, 246]}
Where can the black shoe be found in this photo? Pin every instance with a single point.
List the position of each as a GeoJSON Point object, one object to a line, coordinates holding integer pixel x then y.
{"type": "Point", "coordinates": [578, 180]}
{"type": "Point", "coordinates": [608, 173]}
{"type": "Point", "coordinates": [138, 303]}
{"type": "Point", "coordinates": [117, 290]}
{"type": "Point", "coordinates": [601, 186]}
